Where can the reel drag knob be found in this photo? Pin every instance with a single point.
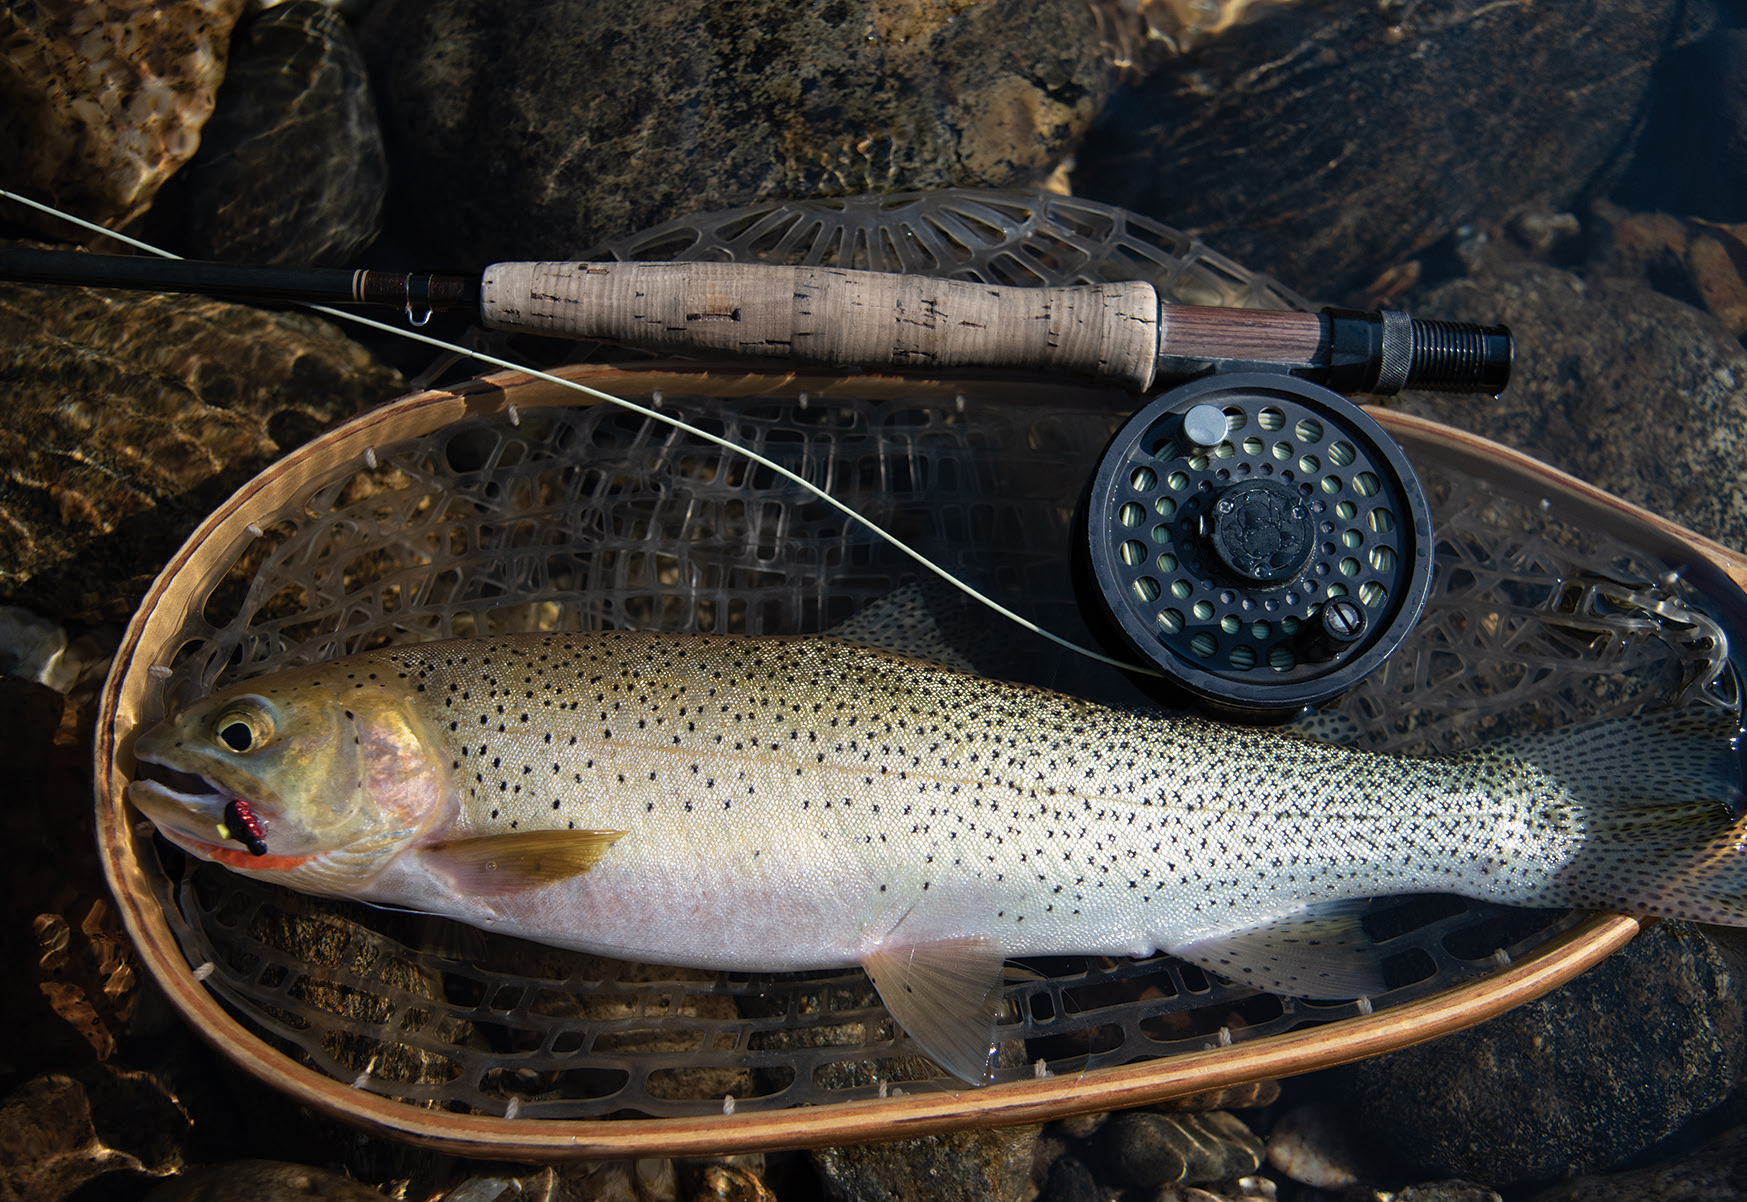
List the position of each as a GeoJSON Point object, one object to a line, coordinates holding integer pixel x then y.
{"type": "Point", "coordinates": [1258, 539]}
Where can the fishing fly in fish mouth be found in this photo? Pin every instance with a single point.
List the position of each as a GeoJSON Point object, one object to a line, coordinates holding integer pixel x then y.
{"type": "Point", "coordinates": [777, 804]}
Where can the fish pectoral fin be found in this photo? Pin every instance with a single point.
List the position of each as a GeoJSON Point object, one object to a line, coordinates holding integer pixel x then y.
{"type": "Point", "coordinates": [515, 863]}
{"type": "Point", "coordinates": [947, 997]}
{"type": "Point", "coordinates": [1319, 952]}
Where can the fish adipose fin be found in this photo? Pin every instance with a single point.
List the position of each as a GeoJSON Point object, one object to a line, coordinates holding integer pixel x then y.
{"type": "Point", "coordinates": [1658, 801]}
{"type": "Point", "coordinates": [498, 864]}
{"type": "Point", "coordinates": [947, 997]}
{"type": "Point", "coordinates": [1321, 951]}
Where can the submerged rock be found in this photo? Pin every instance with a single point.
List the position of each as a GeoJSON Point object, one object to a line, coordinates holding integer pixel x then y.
{"type": "Point", "coordinates": [1333, 139]}
{"type": "Point", "coordinates": [105, 100]}
{"type": "Point", "coordinates": [291, 169]}
{"type": "Point", "coordinates": [1145, 1150]}
{"type": "Point", "coordinates": [1578, 1080]}
{"type": "Point", "coordinates": [547, 128]}
{"type": "Point", "coordinates": [61, 1131]}
{"type": "Point", "coordinates": [1693, 156]}
{"type": "Point", "coordinates": [262, 1181]}
{"type": "Point", "coordinates": [1714, 1172]}
{"type": "Point", "coordinates": [131, 416]}
{"type": "Point", "coordinates": [1623, 387]}
{"type": "Point", "coordinates": [976, 1165]}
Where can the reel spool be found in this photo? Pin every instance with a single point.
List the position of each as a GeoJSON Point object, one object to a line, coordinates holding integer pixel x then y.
{"type": "Point", "coordinates": [1257, 538]}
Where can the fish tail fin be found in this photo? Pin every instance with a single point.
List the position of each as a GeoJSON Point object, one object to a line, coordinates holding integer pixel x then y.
{"type": "Point", "coordinates": [1660, 801]}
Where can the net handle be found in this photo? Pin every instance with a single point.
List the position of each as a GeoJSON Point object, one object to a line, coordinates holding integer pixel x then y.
{"type": "Point", "coordinates": [832, 315]}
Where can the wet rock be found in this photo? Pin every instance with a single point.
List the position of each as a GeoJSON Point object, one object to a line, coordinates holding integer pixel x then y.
{"type": "Point", "coordinates": [1069, 1180]}
{"type": "Point", "coordinates": [291, 169]}
{"type": "Point", "coordinates": [1691, 259]}
{"type": "Point", "coordinates": [987, 1165]}
{"type": "Point", "coordinates": [1310, 1145]}
{"type": "Point", "coordinates": [1716, 1171]}
{"type": "Point", "coordinates": [105, 100]}
{"type": "Point", "coordinates": [550, 127]}
{"type": "Point", "coordinates": [1146, 1149]}
{"type": "Point", "coordinates": [263, 1181]}
{"type": "Point", "coordinates": [60, 1131]}
{"type": "Point", "coordinates": [1626, 388]}
{"type": "Point", "coordinates": [1447, 1191]}
{"type": "Point", "coordinates": [1332, 139]}
{"type": "Point", "coordinates": [1693, 155]}
{"type": "Point", "coordinates": [129, 417]}
{"type": "Point", "coordinates": [1571, 1083]}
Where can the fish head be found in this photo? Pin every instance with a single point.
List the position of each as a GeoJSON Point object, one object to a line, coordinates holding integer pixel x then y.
{"type": "Point", "coordinates": [315, 777]}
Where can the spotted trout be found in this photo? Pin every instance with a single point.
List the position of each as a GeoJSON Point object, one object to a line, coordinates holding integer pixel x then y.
{"type": "Point", "coordinates": [803, 803]}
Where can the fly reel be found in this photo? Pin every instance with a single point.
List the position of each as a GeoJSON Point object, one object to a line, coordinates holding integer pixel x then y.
{"type": "Point", "coordinates": [1258, 539]}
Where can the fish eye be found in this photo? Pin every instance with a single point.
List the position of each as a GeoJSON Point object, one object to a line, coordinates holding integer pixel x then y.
{"type": "Point", "coordinates": [243, 728]}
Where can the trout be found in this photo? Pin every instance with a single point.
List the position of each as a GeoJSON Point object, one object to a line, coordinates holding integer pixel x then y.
{"type": "Point", "coordinates": [777, 804]}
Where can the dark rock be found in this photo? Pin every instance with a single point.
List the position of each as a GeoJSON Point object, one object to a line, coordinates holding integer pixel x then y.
{"type": "Point", "coordinates": [1617, 384]}
{"type": "Point", "coordinates": [129, 417]}
{"type": "Point", "coordinates": [104, 101]}
{"type": "Point", "coordinates": [291, 169]}
{"type": "Point", "coordinates": [1572, 1083]}
{"type": "Point", "coordinates": [60, 1131]}
{"type": "Point", "coordinates": [1330, 140]}
{"type": "Point", "coordinates": [1693, 156]}
{"type": "Point", "coordinates": [977, 1165]}
{"type": "Point", "coordinates": [1446, 1191]}
{"type": "Point", "coordinates": [1713, 1172]}
{"type": "Point", "coordinates": [1146, 1149]}
{"type": "Point", "coordinates": [262, 1181]}
{"type": "Point", "coordinates": [1070, 1181]}
{"type": "Point", "coordinates": [547, 128]}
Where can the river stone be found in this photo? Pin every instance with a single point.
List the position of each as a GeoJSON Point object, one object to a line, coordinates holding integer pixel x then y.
{"type": "Point", "coordinates": [1692, 159]}
{"type": "Point", "coordinates": [1143, 1149]}
{"type": "Point", "coordinates": [130, 417]}
{"type": "Point", "coordinates": [1716, 1171]}
{"type": "Point", "coordinates": [291, 170]}
{"type": "Point", "coordinates": [262, 1181]}
{"type": "Point", "coordinates": [1623, 387]}
{"type": "Point", "coordinates": [1332, 139]}
{"type": "Point", "coordinates": [1572, 1083]}
{"type": "Point", "coordinates": [547, 128]}
{"type": "Point", "coordinates": [60, 1131]}
{"type": "Point", "coordinates": [976, 1165]}
{"type": "Point", "coordinates": [105, 99]}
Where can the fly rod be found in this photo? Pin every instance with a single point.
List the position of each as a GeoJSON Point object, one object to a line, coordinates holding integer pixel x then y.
{"type": "Point", "coordinates": [1118, 333]}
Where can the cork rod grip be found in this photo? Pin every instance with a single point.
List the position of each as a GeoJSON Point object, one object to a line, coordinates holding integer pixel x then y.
{"type": "Point", "coordinates": [832, 315]}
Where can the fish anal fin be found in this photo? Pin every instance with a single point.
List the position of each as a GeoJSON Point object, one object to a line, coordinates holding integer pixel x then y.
{"type": "Point", "coordinates": [947, 997]}
{"type": "Point", "coordinates": [1319, 952]}
{"type": "Point", "coordinates": [515, 863]}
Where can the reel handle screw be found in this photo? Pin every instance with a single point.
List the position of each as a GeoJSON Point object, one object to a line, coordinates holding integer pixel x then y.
{"type": "Point", "coordinates": [1339, 624]}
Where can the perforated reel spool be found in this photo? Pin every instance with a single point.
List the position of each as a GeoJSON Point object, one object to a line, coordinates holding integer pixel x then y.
{"type": "Point", "coordinates": [1258, 539]}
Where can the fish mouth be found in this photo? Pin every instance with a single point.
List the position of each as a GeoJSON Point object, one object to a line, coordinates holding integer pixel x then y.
{"type": "Point", "coordinates": [170, 797]}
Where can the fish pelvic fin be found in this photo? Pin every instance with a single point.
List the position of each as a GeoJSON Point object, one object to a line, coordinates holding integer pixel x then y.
{"type": "Point", "coordinates": [947, 997]}
{"type": "Point", "coordinates": [1658, 797]}
{"type": "Point", "coordinates": [1321, 951]}
{"type": "Point", "coordinates": [515, 863]}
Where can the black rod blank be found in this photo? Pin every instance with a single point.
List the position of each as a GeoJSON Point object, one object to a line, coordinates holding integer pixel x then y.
{"type": "Point", "coordinates": [419, 291]}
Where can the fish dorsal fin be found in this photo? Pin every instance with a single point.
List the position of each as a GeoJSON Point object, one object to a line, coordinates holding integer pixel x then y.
{"type": "Point", "coordinates": [514, 863]}
{"type": "Point", "coordinates": [1321, 951]}
{"type": "Point", "coordinates": [902, 622]}
{"type": "Point", "coordinates": [946, 996]}
{"type": "Point", "coordinates": [1665, 757]}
